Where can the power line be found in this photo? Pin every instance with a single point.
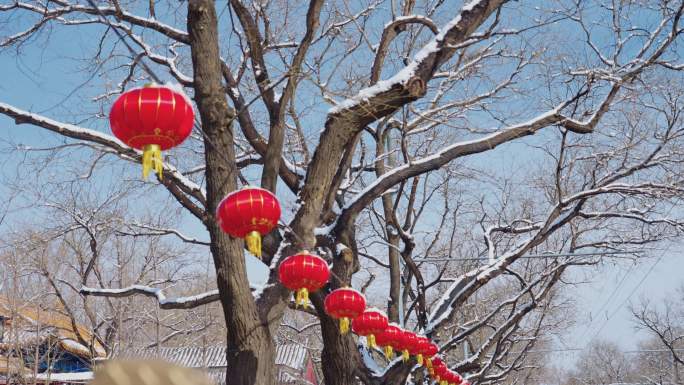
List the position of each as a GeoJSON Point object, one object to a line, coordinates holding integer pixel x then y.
{"type": "Point", "coordinates": [636, 351]}
{"type": "Point", "coordinates": [608, 300]}
{"type": "Point", "coordinates": [643, 279]}
{"type": "Point", "coordinates": [533, 256]}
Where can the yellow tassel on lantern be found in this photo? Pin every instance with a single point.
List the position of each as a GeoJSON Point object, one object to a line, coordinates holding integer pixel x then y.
{"type": "Point", "coordinates": [152, 160]}
{"type": "Point", "coordinates": [389, 352]}
{"type": "Point", "coordinates": [428, 363]}
{"type": "Point", "coordinates": [420, 359]}
{"type": "Point", "coordinates": [371, 341]}
{"type": "Point", "coordinates": [431, 371]}
{"type": "Point", "coordinates": [302, 298]}
{"type": "Point", "coordinates": [443, 382]}
{"type": "Point", "coordinates": [405, 355]}
{"type": "Point", "coordinates": [253, 240]}
{"type": "Point", "coordinates": [344, 325]}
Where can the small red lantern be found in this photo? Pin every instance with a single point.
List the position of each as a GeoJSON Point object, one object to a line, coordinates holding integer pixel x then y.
{"type": "Point", "coordinates": [448, 378]}
{"type": "Point", "coordinates": [419, 349]}
{"type": "Point", "coordinates": [249, 213]}
{"type": "Point", "coordinates": [343, 304]}
{"type": "Point", "coordinates": [439, 368]}
{"type": "Point", "coordinates": [152, 119]}
{"type": "Point", "coordinates": [409, 343]}
{"type": "Point", "coordinates": [389, 338]}
{"type": "Point", "coordinates": [428, 352]}
{"type": "Point", "coordinates": [305, 273]}
{"type": "Point", "coordinates": [370, 323]}
{"type": "Point", "coordinates": [457, 379]}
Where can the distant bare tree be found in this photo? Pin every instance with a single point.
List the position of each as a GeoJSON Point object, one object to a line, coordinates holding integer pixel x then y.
{"type": "Point", "coordinates": [603, 363]}
{"type": "Point", "coordinates": [65, 252]}
{"type": "Point", "coordinates": [664, 322]}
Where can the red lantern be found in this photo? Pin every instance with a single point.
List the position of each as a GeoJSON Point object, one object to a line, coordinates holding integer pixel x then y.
{"type": "Point", "coordinates": [370, 323]}
{"type": "Point", "coordinates": [152, 119]}
{"type": "Point", "coordinates": [249, 213]}
{"type": "Point", "coordinates": [420, 348]}
{"type": "Point", "coordinates": [441, 374]}
{"type": "Point", "coordinates": [457, 379]}
{"type": "Point", "coordinates": [389, 338]}
{"type": "Point", "coordinates": [409, 343]}
{"type": "Point", "coordinates": [304, 273]}
{"type": "Point", "coordinates": [439, 369]}
{"type": "Point", "coordinates": [429, 351]}
{"type": "Point", "coordinates": [448, 378]}
{"type": "Point", "coordinates": [343, 304]}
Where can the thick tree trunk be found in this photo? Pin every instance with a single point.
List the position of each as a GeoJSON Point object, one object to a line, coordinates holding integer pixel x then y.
{"type": "Point", "coordinates": [250, 346]}
{"type": "Point", "coordinates": [339, 354]}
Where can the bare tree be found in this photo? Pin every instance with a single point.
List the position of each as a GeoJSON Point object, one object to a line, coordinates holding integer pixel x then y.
{"type": "Point", "coordinates": [665, 324]}
{"type": "Point", "coordinates": [604, 363]}
{"type": "Point", "coordinates": [89, 239]}
{"type": "Point", "coordinates": [398, 175]}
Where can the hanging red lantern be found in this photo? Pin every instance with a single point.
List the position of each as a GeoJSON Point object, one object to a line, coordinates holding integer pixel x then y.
{"type": "Point", "coordinates": [152, 119]}
{"type": "Point", "coordinates": [457, 379]}
{"type": "Point", "coordinates": [345, 304]}
{"type": "Point", "coordinates": [304, 273]}
{"type": "Point", "coordinates": [249, 213]}
{"type": "Point", "coordinates": [430, 351]}
{"type": "Point", "coordinates": [389, 338]}
{"type": "Point", "coordinates": [409, 343]}
{"type": "Point", "coordinates": [419, 348]}
{"type": "Point", "coordinates": [448, 378]}
{"type": "Point", "coordinates": [370, 323]}
{"type": "Point", "coordinates": [439, 368]}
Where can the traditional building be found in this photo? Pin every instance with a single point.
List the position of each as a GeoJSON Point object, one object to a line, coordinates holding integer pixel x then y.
{"type": "Point", "coordinates": [294, 363]}
{"type": "Point", "coordinates": [37, 344]}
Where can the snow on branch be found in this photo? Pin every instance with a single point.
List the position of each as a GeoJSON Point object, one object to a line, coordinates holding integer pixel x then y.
{"type": "Point", "coordinates": [173, 179]}
{"type": "Point", "coordinates": [164, 302]}
{"type": "Point", "coordinates": [500, 136]}
{"type": "Point", "coordinates": [65, 7]}
{"type": "Point", "coordinates": [444, 156]}
{"type": "Point", "coordinates": [411, 80]}
{"type": "Point", "coordinates": [152, 231]}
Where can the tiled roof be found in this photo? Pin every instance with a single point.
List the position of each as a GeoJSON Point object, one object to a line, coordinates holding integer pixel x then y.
{"type": "Point", "coordinates": [219, 376]}
{"type": "Point", "coordinates": [290, 355]}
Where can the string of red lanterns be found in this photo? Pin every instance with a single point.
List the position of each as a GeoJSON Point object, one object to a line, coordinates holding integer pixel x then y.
{"type": "Point", "coordinates": [253, 212]}
{"type": "Point", "coordinates": [156, 118]}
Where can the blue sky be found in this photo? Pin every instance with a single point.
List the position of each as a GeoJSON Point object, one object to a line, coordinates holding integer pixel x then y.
{"type": "Point", "coordinates": [36, 80]}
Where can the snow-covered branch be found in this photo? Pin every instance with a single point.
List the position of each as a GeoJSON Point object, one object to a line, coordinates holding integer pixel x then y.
{"type": "Point", "coordinates": [64, 7]}
{"type": "Point", "coordinates": [179, 185]}
{"type": "Point", "coordinates": [148, 291]}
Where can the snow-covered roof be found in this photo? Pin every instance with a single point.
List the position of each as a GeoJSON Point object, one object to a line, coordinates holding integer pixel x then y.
{"type": "Point", "coordinates": [81, 377]}
{"type": "Point", "coordinates": [29, 324]}
{"type": "Point", "coordinates": [291, 355]}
